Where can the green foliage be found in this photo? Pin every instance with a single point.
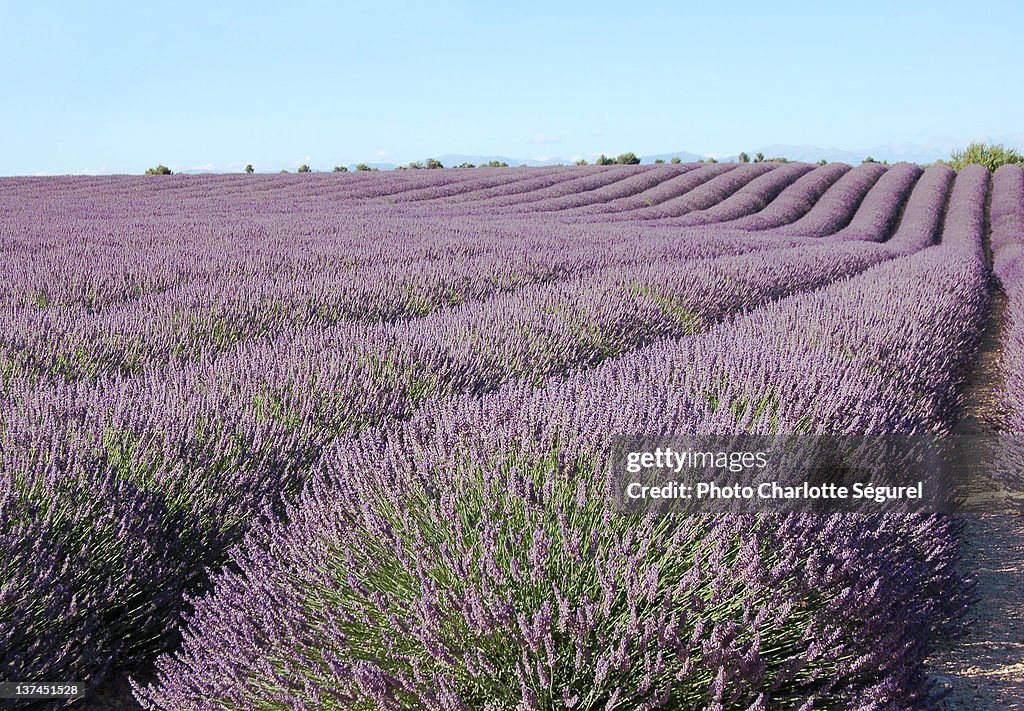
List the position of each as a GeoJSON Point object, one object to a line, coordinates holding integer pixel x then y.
{"type": "Point", "coordinates": [582, 161]}
{"type": "Point", "coordinates": [340, 169]}
{"type": "Point", "coordinates": [363, 166]}
{"type": "Point", "coordinates": [465, 165]}
{"type": "Point", "coordinates": [989, 156]}
{"type": "Point", "coordinates": [303, 168]}
{"type": "Point", "coordinates": [284, 170]}
{"type": "Point", "coordinates": [744, 158]}
{"type": "Point", "coordinates": [494, 164]}
{"type": "Point", "coordinates": [159, 170]}
{"type": "Point", "coordinates": [604, 160]}
{"type": "Point", "coordinates": [759, 158]}
{"type": "Point", "coordinates": [429, 164]}
{"type": "Point", "coordinates": [869, 159]}
{"type": "Point", "coordinates": [627, 159]}
{"type": "Point", "coordinates": [822, 162]}
{"type": "Point", "coordinates": [249, 168]}
{"type": "Point", "coordinates": [659, 161]}
{"type": "Point", "coordinates": [676, 160]}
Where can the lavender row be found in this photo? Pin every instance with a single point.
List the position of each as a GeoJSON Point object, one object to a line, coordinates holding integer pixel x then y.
{"type": "Point", "coordinates": [695, 186]}
{"type": "Point", "coordinates": [1007, 216]}
{"type": "Point", "coordinates": [535, 182]}
{"type": "Point", "coordinates": [777, 207]}
{"type": "Point", "coordinates": [880, 210]}
{"type": "Point", "coordinates": [104, 271]}
{"type": "Point", "coordinates": [919, 224]}
{"type": "Point", "coordinates": [590, 180]}
{"type": "Point", "coordinates": [268, 451]}
{"type": "Point", "coordinates": [473, 182]}
{"type": "Point", "coordinates": [472, 558]}
{"type": "Point", "coordinates": [207, 453]}
{"type": "Point", "coordinates": [209, 316]}
{"type": "Point", "coordinates": [77, 262]}
{"type": "Point", "coordinates": [834, 209]}
{"type": "Point", "coordinates": [640, 178]}
{"type": "Point", "coordinates": [795, 201]}
{"type": "Point", "coordinates": [749, 199]}
{"type": "Point", "coordinates": [909, 222]}
{"type": "Point", "coordinates": [702, 197]}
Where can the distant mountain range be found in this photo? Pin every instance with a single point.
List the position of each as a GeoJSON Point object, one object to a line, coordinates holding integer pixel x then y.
{"type": "Point", "coordinates": [896, 152]}
{"type": "Point", "coordinates": [926, 152]}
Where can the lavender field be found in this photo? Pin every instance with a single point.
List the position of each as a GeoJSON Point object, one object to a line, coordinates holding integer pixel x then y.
{"type": "Point", "coordinates": [339, 441]}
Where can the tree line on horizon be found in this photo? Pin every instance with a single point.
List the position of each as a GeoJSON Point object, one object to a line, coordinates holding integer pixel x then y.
{"type": "Point", "coordinates": [990, 156]}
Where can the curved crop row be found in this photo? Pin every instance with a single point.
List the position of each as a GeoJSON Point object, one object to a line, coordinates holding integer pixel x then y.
{"type": "Point", "coordinates": [210, 315]}
{"type": "Point", "coordinates": [534, 182]}
{"type": "Point", "coordinates": [472, 558]}
{"type": "Point", "coordinates": [751, 198]}
{"type": "Point", "coordinates": [473, 182]}
{"type": "Point", "coordinates": [206, 450]}
{"type": "Point", "coordinates": [592, 179]}
{"type": "Point", "coordinates": [834, 209]}
{"type": "Point", "coordinates": [794, 201]}
{"type": "Point", "coordinates": [76, 262]}
{"type": "Point", "coordinates": [1008, 260]}
{"type": "Point", "coordinates": [705, 195]}
{"type": "Point", "coordinates": [695, 186]}
{"type": "Point", "coordinates": [922, 217]}
{"type": "Point", "coordinates": [642, 179]}
{"type": "Point", "coordinates": [881, 207]}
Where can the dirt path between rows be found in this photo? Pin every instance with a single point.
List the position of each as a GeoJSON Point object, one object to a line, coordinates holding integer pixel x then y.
{"type": "Point", "coordinates": [984, 669]}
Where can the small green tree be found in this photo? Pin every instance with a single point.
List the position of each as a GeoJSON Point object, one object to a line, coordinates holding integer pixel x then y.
{"type": "Point", "coordinates": [494, 164]}
{"type": "Point", "coordinates": [416, 165]}
{"type": "Point", "coordinates": [433, 163]}
{"type": "Point", "coordinates": [822, 162]}
{"type": "Point", "coordinates": [604, 160]}
{"type": "Point", "coordinates": [759, 158]}
{"type": "Point", "coordinates": [465, 165]}
{"type": "Point", "coordinates": [582, 161]}
{"type": "Point", "coordinates": [744, 158]}
{"type": "Point", "coordinates": [249, 168]}
{"type": "Point", "coordinates": [159, 170]}
{"type": "Point", "coordinates": [676, 160]}
{"type": "Point", "coordinates": [340, 169]}
{"type": "Point", "coordinates": [989, 156]}
{"type": "Point", "coordinates": [363, 166]}
{"type": "Point", "coordinates": [627, 159]}
{"type": "Point", "coordinates": [284, 170]}
{"type": "Point", "coordinates": [869, 159]}
{"type": "Point", "coordinates": [659, 161]}
{"type": "Point", "coordinates": [303, 169]}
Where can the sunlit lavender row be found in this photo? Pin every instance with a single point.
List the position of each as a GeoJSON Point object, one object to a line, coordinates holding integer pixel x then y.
{"type": "Point", "coordinates": [512, 581]}
{"type": "Point", "coordinates": [395, 392]}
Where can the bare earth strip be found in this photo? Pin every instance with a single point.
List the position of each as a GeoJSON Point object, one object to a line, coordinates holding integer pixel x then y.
{"type": "Point", "coordinates": [984, 669]}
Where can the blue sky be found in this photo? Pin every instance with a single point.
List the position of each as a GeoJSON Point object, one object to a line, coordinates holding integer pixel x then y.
{"type": "Point", "coordinates": [117, 87]}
